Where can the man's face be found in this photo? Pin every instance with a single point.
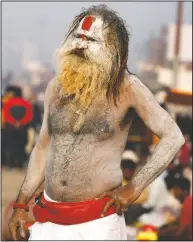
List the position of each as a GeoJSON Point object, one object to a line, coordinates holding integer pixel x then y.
{"type": "Point", "coordinates": [89, 39]}
{"type": "Point", "coordinates": [127, 173]}
{"type": "Point", "coordinates": [85, 62]}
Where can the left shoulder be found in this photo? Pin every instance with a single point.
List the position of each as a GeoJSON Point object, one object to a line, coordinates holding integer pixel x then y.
{"type": "Point", "coordinates": [131, 82]}
{"type": "Point", "coordinates": [133, 88]}
{"type": "Point", "coordinates": [128, 79]}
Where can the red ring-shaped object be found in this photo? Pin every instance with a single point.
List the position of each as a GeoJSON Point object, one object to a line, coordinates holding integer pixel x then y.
{"type": "Point", "coordinates": [17, 102]}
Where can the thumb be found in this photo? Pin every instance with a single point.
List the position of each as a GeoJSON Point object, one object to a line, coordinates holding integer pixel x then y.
{"type": "Point", "coordinates": [104, 194]}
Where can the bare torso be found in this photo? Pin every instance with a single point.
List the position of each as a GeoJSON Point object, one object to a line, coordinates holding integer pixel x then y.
{"type": "Point", "coordinates": [82, 165]}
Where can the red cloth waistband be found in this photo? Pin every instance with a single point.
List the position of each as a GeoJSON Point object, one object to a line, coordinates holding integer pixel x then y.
{"type": "Point", "coordinates": [69, 213]}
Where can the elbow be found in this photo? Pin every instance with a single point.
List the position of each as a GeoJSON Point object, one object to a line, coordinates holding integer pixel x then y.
{"type": "Point", "coordinates": [179, 138]}
{"type": "Point", "coordinates": [176, 137]}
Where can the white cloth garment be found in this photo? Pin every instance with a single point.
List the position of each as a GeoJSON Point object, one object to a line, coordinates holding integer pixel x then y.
{"type": "Point", "coordinates": [111, 227]}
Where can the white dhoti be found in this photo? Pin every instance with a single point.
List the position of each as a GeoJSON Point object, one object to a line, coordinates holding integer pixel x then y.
{"type": "Point", "coordinates": [112, 227]}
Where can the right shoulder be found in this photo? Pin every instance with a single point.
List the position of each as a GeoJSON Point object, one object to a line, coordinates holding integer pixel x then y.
{"type": "Point", "coordinates": [51, 85]}
{"type": "Point", "coordinates": [50, 92]}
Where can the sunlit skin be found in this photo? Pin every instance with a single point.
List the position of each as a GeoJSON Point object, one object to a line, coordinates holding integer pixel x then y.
{"type": "Point", "coordinates": [84, 164]}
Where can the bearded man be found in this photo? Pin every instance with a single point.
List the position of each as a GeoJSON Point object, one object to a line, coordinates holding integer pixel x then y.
{"type": "Point", "coordinates": [87, 116]}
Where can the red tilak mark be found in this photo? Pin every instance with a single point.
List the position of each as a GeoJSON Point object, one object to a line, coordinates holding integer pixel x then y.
{"type": "Point", "coordinates": [87, 23]}
{"type": "Point", "coordinates": [83, 37]}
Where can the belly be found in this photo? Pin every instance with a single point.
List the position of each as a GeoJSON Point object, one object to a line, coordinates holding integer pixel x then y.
{"type": "Point", "coordinates": [80, 168]}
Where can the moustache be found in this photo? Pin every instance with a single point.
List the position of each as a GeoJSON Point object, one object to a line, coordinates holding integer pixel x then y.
{"type": "Point", "coordinates": [79, 52]}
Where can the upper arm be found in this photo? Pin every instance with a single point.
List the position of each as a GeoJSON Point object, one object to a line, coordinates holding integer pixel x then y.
{"type": "Point", "coordinates": [153, 115]}
{"type": "Point", "coordinates": [44, 137]}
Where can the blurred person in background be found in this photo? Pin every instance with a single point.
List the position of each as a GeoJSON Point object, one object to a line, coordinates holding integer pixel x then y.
{"type": "Point", "coordinates": [34, 126]}
{"type": "Point", "coordinates": [17, 115]}
{"type": "Point", "coordinates": [181, 229]}
{"type": "Point", "coordinates": [83, 135]}
{"type": "Point", "coordinates": [187, 173]}
{"type": "Point", "coordinates": [185, 152]}
{"type": "Point", "coordinates": [129, 163]}
{"type": "Point", "coordinates": [37, 116]}
{"type": "Point", "coordinates": [144, 153]}
{"type": "Point", "coordinates": [160, 200]}
{"type": "Point", "coordinates": [174, 170]}
{"type": "Point", "coordinates": [8, 94]}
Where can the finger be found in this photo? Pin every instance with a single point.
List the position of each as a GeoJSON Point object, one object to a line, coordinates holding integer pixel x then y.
{"type": "Point", "coordinates": [118, 209]}
{"type": "Point", "coordinates": [23, 232]}
{"type": "Point", "coordinates": [13, 230]}
{"type": "Point", "coordinates": [104, 194]}
{"type": "Point", "coordinates": [107, 206]}
{"type": "Point", "coordinates": [124, 208]}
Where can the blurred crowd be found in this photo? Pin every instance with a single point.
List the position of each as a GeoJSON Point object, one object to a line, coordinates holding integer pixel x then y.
{"type": "Point", "coordinates": [165, 205]}
{"type": "Point", "coordinates": [21, 120]}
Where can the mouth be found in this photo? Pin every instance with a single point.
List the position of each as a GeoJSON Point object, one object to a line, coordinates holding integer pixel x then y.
{"type": "Point", "coordinates": [79, 52]}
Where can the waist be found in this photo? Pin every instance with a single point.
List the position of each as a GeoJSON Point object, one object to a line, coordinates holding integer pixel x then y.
{"type": "Point", "coordinates": [66, 191]}
{"type": "Point", "coordinates": [48, 210]}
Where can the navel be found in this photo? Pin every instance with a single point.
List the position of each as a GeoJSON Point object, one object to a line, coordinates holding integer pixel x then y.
{"type": "Point", "coordinates": [64, 183]}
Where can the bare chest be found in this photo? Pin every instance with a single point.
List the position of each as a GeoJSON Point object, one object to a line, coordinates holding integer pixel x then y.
{"type": "Point", "coordinates": [102, 120]}
{"type": "Point", "coordinates": [97, 123]}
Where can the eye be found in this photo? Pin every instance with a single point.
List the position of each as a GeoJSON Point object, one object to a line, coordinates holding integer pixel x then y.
{"type": "Point", "coordinates": [91, 39]}
{"type": "Point", "coordinates": [78, 36]}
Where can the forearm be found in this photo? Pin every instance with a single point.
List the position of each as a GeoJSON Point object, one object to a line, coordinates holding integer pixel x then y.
{"type": "Point", "coordinates": [159, 160]}
{"type": "Point", "coordinates": [34, 176]}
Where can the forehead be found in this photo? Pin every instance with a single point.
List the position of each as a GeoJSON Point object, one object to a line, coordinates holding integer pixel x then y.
{"type": "Point", "coordinates": [91, 25]}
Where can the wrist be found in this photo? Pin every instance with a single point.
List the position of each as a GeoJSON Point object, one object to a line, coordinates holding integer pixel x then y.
{"type": "Point", "coordinates": [137, 186]}
{"type": "Point", "coordinates": [21, 206]}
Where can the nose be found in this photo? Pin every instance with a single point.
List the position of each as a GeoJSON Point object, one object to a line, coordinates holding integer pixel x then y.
{"type": "Point", "coordinates": [82, 44]}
